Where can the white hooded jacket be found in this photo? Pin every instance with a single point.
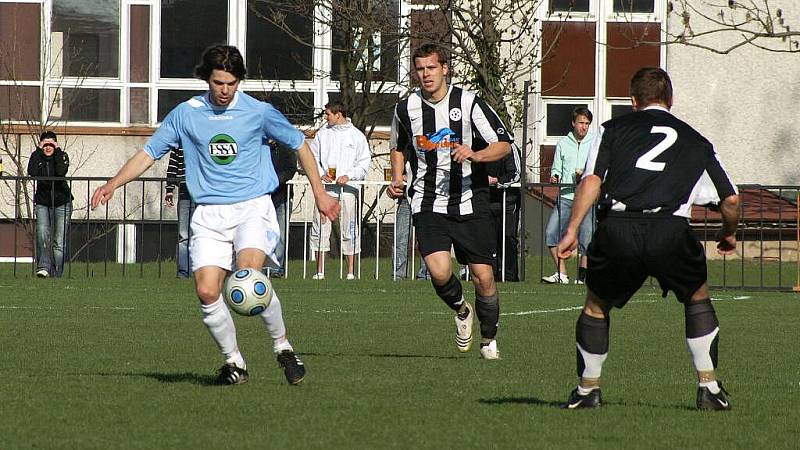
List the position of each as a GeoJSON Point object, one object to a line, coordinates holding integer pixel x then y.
{"type": "Point", "coordinates": [344, 147]}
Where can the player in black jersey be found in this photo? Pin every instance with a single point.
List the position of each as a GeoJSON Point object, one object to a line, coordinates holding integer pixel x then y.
{"type": "Point", "coordinates": [646, 169]}
{"type": "Point", "coordinates": [445, 134]}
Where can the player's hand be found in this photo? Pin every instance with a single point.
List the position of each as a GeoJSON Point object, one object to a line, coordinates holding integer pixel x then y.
{"type": "Point", "coordinates": [726, 245]}
{"type": "Point", "coordinates": [462, 153]}
{"type": "Point", "coordinates": [342, 180]}
{"type": "Point", "coordinates": [568, 244]}
{"type": "Point", "coordinates": [328, 206]}
{"type": "Point", "coordinates": [102, 195]}
{"type": "Point", "coordinates": [169, 199]}
{"type": "Point", "coordinates": [396, 190]}
{"type": "Point", "coordinates": [492, 181]}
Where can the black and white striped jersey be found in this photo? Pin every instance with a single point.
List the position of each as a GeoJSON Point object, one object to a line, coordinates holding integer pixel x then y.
{"type": "Point", "coordinates": [426, 133]}
{"type": "Point", "coordinates": [176, 169]}
{"type": "Point", "coordinates": [652, 162]}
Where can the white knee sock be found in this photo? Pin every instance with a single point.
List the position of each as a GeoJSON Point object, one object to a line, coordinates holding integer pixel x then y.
{"type": "Point", "coordinates": [700, 349]}
{"type": "Point", "coordinates": [220, 325]}
{"type": "Point", "coordinates": [273, 320]}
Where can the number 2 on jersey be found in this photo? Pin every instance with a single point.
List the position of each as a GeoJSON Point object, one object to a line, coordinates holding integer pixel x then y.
{"type": "Point", "coordinates": [646, 161]}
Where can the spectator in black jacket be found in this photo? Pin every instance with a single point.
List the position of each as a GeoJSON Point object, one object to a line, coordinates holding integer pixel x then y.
{"type": "Point", "coordinates": [53, 205]}
{"type": "Point", "coordinates": [285, 162]}
{"type": "Point", "coordinates": [502, 174]}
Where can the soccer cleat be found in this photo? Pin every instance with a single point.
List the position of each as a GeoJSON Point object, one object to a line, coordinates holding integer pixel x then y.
{"type": "Point", "coordinates": [579, 282]}
{"type": "Point", "coordinates": [350, 276]}
{"type": "Point", "coordinates": [318, 276]}
{"type": "Point", "coordinates": [230, 374]}
{"type": "Point", "coordinates": [42, 273]}
{"type": "Point", "coordinates": [706, 401]}
{"type": "Point", "coordinates": [556, 278]}
{"type": "Point", "coordinates": [292, 366]}
{"type": "Point", "coordinates": [490, 351]}
{"type": "Point", "coordinates": [594, 399]}
{"type": "Point", "coordinates": [464, 328]}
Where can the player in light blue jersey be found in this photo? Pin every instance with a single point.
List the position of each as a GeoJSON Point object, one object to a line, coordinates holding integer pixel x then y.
{"type": "Point", "coordinates": [229, 174]}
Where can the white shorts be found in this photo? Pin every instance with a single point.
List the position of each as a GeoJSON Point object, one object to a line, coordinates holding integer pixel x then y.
{"type": "Point", "coordinates": [221, 231]}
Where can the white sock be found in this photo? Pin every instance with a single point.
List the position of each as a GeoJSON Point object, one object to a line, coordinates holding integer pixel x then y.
{"type": "Point", "coordinates": [583, 391]}
{"type": "Point", "coordinates": [220, 325]}
{"type": "Point", "coordinates": [273, 320]}
{"type": "Point", "coordinates": [711, 385]}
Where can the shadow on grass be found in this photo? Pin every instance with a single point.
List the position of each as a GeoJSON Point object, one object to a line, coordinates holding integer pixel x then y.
{"type": "Point", "coordinates": [185, 377]}
{"type": "Point", "coordinates": [555, 404]}
{"type": "Point", "coordinates": [381, 355]}
{"type": "Point", "coordinates": [518, 401]}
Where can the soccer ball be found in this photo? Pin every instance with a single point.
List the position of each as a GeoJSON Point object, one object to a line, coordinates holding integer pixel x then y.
{"type": "Point", "coordinates": [247, 292]}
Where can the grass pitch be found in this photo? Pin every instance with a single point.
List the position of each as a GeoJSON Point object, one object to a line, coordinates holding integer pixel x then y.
{"type": "Point", "coordinates": [126, 363]}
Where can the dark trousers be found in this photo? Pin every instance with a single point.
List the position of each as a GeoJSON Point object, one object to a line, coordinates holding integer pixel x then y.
{"type": "Point", "coordinates": [508, 236]}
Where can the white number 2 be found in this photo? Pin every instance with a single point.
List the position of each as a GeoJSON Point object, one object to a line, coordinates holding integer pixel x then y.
{"type": "Point", "coordinates": [646, 161]}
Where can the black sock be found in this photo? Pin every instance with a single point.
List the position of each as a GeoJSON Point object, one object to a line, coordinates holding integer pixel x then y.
{"type": "Point", "coordinates": [591, 335]}
{"type": "Point", "coordinates": [488, 310]}
{"type": "Point", "coordinates": [451, 293]}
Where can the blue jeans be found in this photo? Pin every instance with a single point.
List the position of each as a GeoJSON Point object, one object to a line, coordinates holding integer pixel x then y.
{"type": "Point", "coordinates": [559, 220]}
{"type": "Point", "coordinates": [403, 231]}
{"type": "Point", "coordinates": [185, 210]}
{"type": "Point", "coordinates": [51, 246]}
{"type": "Point", "coordinates": [280, 251]}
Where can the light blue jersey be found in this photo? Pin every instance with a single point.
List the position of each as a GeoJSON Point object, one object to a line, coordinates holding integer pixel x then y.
{"type": "Point", "coordinates": [225, 148]}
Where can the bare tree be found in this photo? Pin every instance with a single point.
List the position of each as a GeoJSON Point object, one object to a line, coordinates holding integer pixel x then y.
{"type": "Point", "coordinates": [721, 26]}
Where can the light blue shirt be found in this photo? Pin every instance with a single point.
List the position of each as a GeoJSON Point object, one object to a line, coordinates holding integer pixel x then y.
{"type": "Point", "coordinates": [225, 149]}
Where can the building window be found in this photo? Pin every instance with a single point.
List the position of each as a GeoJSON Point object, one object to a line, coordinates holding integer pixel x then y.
{"type": "Point", "coordinates": [634, 6]}
{"type": "Point", "coordinates": [19, 41]}
{"type": "Point", "coordinates": [569, 63]}
{"type": "Point", "coordinates": [570, 5]}
{"type": "Point", "coordinates": [620, 109]}
{"type": "Point", "coordinates": [84, 105]}
{"type": "Point", "coordinates": [558, 117]}
{"type": "Point", "coordinates": [170, 98]}
{"type": "Point", "coordinates": [380, 106]}
{"type": "Point", "coordinates": [298, 107]}
{"type": "Point", "coordinates": [276, 52]}
{"type": "Point", "coordinates": [20, 103]}
{"type": "Point", "coordinates": [364, 39]}
{"type": "Point", "coordinates": [187, 28]}
{"type": "Point", "coordinates": [85, 38]}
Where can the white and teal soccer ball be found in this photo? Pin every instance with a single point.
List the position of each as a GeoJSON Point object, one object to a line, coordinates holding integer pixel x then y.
{"type": "Point", "coordinates": [247, 292]}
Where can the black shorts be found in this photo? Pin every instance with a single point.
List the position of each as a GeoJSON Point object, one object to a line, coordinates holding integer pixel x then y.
{"type": "Point", "coordinates": [625, 250]}
{"type": "Point", "coordinates": [472, 237]}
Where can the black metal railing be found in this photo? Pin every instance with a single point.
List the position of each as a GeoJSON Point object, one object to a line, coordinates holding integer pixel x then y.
{"type": "Point", "coordinates": [135, 234]}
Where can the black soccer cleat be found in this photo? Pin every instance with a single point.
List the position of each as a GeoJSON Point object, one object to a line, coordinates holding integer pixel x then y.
{"type": "Point", "coordinates": [593, 399]}
{"type": "Point", "coordinates": [230, 374]}
{"type": "Point", "coordinates": [706, 401]}
{"type": "Point", "coordinates": [292, 366]}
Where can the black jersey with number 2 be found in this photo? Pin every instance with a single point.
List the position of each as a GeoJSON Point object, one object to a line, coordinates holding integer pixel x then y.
{"type": "Point", "coordinates": [652, 162]}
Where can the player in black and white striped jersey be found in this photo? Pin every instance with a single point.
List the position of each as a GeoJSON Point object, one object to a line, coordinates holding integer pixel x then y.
{"type": "Point", "coordinates": [648, 168]}
{"type": "Point", "coordinates": [445, 134]}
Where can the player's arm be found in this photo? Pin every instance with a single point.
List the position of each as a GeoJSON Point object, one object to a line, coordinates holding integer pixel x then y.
{"type": "Point", "coordinates": [398, 141]}
{"type": "Point", "coordinates": [585, 196]}
{"type": "Point", "coordinates": [494, 152]}
{"type": "Point", "coordinates": [326, 204]}
{"type": "Point", "coordinates": [133, 168]}
{"type": "Point", "coordinates": [726, 241]}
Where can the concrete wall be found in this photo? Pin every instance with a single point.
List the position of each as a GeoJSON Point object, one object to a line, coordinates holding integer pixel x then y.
{"type": "Point", "coordinates": [744, 102]}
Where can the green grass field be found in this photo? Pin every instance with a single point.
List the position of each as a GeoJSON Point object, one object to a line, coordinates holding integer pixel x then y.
{"type": "Point", "coordinates": [126, 363]}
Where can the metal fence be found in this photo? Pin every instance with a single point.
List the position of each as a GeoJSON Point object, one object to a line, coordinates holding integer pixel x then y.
{"type": "Point", "coordinates": [135, 234]}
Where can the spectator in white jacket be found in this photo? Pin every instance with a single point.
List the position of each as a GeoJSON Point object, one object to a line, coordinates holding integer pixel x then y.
{"type": "Point", "coordinates": [343, 156]}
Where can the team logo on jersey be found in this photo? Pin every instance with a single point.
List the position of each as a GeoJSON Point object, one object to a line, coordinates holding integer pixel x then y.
{"type": "Point", "coordinates": [444, 139]}
{"type": "Point", "coordinates": [501, 130]}
{"type": "Point", "coordinates": [223, 149]}
{"type": "Point", "coordinates": [455, 114]}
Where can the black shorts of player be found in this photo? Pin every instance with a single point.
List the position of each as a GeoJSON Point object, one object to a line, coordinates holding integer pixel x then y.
{"type": "Point", "coordinates": [629, 247]}
{"type": "Point", "coordinates": [472, 237]}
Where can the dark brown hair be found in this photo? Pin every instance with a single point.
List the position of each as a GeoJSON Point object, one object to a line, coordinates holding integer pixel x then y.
{"type": "Point", "coordinates": [221, 57]}
{"type": "Point", "coordinates": [337, 107]}
{"type": "Point", "coordinates": [426, 50]}
{"type": "Point", "coordinates": [651, 85]}
{"type": "Point", "coordinates": [581, 111]}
